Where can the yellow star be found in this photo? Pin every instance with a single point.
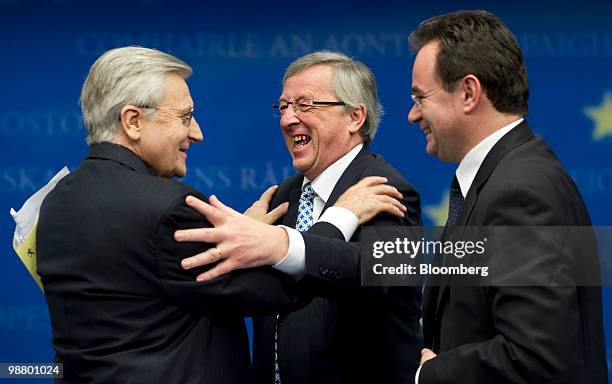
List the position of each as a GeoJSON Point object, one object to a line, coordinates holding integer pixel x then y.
{"type": "Point", "coordinates": [602, 117]}
{"type": "Point", "coordinates": [438, 213]}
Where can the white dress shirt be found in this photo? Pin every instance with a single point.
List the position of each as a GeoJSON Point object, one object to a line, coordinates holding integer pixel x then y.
{"type": "Point", "coordinates": [467, 169]}
{"type": "Point", "coordinates": [294, 262]}
{"type": "Point", "coordinates": [469, 166]}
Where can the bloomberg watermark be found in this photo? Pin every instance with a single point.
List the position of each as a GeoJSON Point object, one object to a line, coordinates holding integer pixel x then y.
{"type": "Point", "coordinates": [492, 256]}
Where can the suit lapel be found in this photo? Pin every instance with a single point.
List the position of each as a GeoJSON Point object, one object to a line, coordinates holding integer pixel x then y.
{"type": "Point", "coordinates": [288, 191]}
{"type": "Point", "coordinates": [291, 189]}
{"type": "Point", "coordinates": [290, 217]}
{"type": "Point", "coordinates": [351, 175]}
{"type": "Point", "coordinates": [520, 135]}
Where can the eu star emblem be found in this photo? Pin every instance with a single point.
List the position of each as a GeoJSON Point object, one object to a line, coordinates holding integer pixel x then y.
{"type": "Point", "coordinates": [438, 213]}
{"type": "Point", "coordinates": [602, 117]}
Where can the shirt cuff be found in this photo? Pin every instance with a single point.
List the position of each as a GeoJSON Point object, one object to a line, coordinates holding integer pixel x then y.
{"type": "Point", "coordinates": [341, 218]}
{"type": "Point", "coordinates": [294, 262]}
{"type": "Point", "coordinates": [416, 377]}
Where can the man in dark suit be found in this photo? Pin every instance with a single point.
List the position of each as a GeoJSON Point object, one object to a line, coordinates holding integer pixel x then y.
{"type": "Point", "coordinates": [329, 113]}
{"type": "Point", "coordinates": [470, 95]}
{"type": "Point", "coordinates": [122, 309]}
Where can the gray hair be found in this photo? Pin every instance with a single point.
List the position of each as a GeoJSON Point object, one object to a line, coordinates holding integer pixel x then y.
{"type": "Point", "coordinates": [122, 76]}
{"type": "Point", "coordinates": [352, 82]}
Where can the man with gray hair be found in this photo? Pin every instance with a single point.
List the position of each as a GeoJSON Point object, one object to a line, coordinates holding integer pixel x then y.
{"type": "Point", "coordinates": [329, 113]}
{"type": "Point", "coordinates": [122, 309]}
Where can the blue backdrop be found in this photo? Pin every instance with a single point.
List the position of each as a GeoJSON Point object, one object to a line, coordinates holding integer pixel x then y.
{"type": "Point", "coordinates": [238, 53]}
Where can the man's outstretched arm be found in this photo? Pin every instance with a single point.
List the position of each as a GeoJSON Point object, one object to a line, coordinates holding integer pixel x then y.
{"type": "Point", "coordinates": [243, 242]}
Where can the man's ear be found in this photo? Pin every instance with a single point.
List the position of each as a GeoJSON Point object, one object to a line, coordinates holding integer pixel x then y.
{"type": "Point", "coordinates": [357, 117]}
{"type": "Point", "coordinates": [131, 122]}
{"type": "Point", "coordinates": [472, 92]}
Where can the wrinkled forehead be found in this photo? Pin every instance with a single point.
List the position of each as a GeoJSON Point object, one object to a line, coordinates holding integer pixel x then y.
{"type": "Point", "coordinates": [312, 82]}
{"type": "Point", "coordinates": [176, 92]}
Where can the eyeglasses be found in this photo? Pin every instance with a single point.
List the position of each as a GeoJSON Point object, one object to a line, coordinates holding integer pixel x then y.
{"type": "Point", "coordinates": [302, 106]}
{"type": "Point", "coordinates": [418, 99]}
{"type": "Point", "coordinates": [185, 117]}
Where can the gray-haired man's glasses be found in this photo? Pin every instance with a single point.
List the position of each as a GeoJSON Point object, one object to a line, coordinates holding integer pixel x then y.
{"type": "Point", "coordinates": [185, 117]}
{"type": "Point", "coordinates": [301, 106]}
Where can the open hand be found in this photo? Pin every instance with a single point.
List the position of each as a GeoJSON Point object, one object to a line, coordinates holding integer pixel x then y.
{"type": "Point", "coordinates": [259, 209]}
{"type": "Point", "coordinates": [242, 242]}
{"type": "Point", "coordinates": [372, 196]}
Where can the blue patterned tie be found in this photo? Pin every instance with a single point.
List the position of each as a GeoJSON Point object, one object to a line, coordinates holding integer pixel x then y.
{"type": "Point", "coordinates": [305, 220]}
{"type": "Point", "coordinates": [277, 379]}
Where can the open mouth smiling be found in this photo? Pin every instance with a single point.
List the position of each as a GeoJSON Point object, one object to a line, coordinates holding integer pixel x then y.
{"type": "Point", "coordinates": [300, 141]}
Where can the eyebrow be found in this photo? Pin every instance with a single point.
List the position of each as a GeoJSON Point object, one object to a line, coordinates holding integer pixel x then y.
{"type": "Point", "coordinates": [300, 97]}
{"type": "Point", "coordinates": [186, 110]}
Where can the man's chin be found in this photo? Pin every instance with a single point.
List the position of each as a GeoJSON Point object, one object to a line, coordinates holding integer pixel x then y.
{"type": "Point", "coordinates": [300, 165]}
{"type": "Point", "coordinates": [431, 150]}
{"type": "Point", "coordinates": [180, 172]}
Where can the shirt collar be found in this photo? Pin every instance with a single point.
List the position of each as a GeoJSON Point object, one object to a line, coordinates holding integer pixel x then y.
{"type": "Point", "coordinates": [324, 184]}
{"type": "Point", "coordinates": [466, 172]}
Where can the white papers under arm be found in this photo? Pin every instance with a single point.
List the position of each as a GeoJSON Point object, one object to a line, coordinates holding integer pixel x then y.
{"type": "Point", "coordinates": [24, 238]}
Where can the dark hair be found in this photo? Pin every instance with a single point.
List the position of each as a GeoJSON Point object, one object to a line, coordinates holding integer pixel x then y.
{"type": "Point", "coordinates": [478, 43]}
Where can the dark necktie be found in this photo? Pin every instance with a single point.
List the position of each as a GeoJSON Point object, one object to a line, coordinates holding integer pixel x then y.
{"type": "Point", "coordinates": [455, 203]}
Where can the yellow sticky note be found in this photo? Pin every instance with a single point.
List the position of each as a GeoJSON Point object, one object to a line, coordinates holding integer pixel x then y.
{"type": "Point", "coordinates": [27, 254]}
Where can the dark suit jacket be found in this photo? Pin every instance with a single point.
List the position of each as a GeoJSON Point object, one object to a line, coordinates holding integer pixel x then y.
{"type": "Point", "coordinates": [349, 333]}
{"type": "Point", "coordinates": [518, 334]}
{"type": "Point", "coordinates": [122, 309]}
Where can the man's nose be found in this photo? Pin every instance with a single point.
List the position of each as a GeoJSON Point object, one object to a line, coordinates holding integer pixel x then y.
{"type": "Point", "coordinates": [289, 117]}
{"type": "Point", "coordinates": [195, 132]}
{"type": "Point", "coordinates": [414, 115]}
